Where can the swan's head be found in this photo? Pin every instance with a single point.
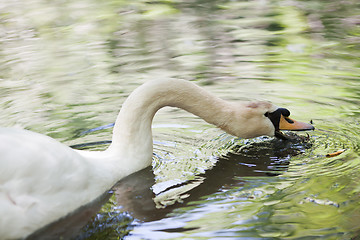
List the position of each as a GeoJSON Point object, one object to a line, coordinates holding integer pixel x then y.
{"type": "Point", "coordinates": [255, 119]}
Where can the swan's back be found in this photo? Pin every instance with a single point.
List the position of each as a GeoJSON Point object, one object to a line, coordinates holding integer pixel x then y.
{"type": "Point", "coordinates": [39, 178]}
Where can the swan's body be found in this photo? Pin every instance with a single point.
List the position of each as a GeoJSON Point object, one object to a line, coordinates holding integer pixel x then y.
{"type": "Point", "coordinates": [42, 180]}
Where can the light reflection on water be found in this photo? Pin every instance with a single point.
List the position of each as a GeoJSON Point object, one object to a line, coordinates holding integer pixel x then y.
{"type": "Point", "coordinates": [67, 67]}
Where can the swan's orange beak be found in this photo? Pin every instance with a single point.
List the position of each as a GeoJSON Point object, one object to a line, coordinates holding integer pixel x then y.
{"type": "Point", "coordinates": [280, 119]}
{"type": "Point", "coordinates": [287, 123]}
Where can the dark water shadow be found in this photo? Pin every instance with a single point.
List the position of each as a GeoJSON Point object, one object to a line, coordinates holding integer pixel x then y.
{"type": "Point", "coordinates": [258, 159]}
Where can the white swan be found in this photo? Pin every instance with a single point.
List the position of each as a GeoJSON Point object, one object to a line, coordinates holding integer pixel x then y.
{"type": "Point", "coordinates": [42, 180]}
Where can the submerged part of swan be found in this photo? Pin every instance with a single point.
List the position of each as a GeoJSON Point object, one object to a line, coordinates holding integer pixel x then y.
{"type": "Point", "coordinates": [42, 180]}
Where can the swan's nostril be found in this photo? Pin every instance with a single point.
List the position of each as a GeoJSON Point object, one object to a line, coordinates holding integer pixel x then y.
{"type": "Point", "coordinates": [289, 120]}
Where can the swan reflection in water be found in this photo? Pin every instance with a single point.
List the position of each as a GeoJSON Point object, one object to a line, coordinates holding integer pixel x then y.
{"type": "Point", "coordinates": [258, 159]}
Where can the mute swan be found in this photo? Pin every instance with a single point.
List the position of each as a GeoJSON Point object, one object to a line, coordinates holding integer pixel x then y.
{"type": "Point", "coordinates": [42, 180]}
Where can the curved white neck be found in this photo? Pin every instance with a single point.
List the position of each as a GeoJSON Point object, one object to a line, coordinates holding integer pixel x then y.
{"type": "Point", "coordinates": [132, 135]}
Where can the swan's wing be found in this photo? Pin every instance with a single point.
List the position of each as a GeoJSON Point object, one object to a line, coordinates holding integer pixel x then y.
{"type": "Point", "coordinates": [39, 178]}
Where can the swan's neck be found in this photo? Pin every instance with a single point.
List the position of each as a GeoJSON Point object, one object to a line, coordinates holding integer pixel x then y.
{"type": "Point", "coordinates": [132, 135]}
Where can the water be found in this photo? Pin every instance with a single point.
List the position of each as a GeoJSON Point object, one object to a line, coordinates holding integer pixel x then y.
{"type": "Point", "coordinates": [67, 66]}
